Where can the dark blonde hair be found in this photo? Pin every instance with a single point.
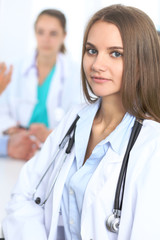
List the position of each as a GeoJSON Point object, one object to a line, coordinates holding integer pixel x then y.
{"type": "Point", "coordinates": [56, 14]}
{"type": "Point", "coordinates": [141, 75]}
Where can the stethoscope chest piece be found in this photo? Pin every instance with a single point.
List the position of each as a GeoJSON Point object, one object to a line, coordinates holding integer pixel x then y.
{"type": "Point", "coordinates": [113, 222]}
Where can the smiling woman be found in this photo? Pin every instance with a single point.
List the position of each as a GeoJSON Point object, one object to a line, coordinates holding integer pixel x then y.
{"type": "Point", "coordinates": [103, 189]}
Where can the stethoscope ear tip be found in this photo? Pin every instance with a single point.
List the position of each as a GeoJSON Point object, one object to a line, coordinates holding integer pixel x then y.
{"type": "Point", "coordinates": [38, 200]}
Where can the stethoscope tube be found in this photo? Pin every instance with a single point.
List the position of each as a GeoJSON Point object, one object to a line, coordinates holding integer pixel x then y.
{"type": "Point", "coordinates": [113, 221]}
{"type": "Point", "coordinates": [122, 176]}
{"type": "Point", "coordinates": [69, 137]}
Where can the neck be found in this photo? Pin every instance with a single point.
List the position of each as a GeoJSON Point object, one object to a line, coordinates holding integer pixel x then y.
{"type": "Point", "coordinates": [45, 61]}
{"type": "Point", "coordinates": [111, 112]}
{"type": "Point", "coordinates": [44, 66]}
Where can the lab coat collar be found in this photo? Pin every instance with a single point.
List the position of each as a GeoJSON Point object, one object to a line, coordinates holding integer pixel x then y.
{"type": "Point", "coordinates": [83, 130]}
{"type": "Point", "coordinates": [87, 115]}
{"type": "Point", "coordinates": [123, 131]}
{"type": "Point", "coordinates": [30, 64]}
{"type": "Point", "coordinates": [90, 110]}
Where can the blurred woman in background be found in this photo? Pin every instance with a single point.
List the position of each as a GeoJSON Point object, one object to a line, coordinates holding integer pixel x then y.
{"type": "Point", "coordinates": [44, 85]}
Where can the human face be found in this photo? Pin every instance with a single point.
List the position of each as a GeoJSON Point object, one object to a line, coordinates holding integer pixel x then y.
{"type": "Point", "coordinates": [49, 35]}
{"type": "Point", "coordinates": [103, 59]}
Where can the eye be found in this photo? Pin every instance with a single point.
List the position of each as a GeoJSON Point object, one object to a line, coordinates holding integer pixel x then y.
{"type": "Point", "coordinates": [91, 51]}
{"type": "Point", "coordinates": [40, 32]}
{"type": "Point", "coordinates": [116, 54]}
{"type": "Point", "coordinates": [53, 33]}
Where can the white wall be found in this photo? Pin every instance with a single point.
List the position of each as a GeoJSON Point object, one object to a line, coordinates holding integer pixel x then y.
{"type": "Point", "coordinates": [14, 28]}
{"type": "Point", "coordinates": [152, 7]}
{"type": "Point", "coordinates": [17, 18]}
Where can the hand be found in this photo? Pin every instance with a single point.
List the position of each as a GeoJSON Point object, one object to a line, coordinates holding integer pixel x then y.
{"type": "Point", "coordinates": [21, 146]}
{"type": "Point", "coordinates": [5, 77]}
{"type": "Point", "coordinates": [40, 131]}
{"type": "Point", "coordinates": [14, 130]}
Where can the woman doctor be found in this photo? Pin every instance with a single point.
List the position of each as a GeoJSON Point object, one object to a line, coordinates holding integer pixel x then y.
{"type": "Point", "coordinates": [120, 65]}
{"type": "Point", "coordinates": [45, 85]}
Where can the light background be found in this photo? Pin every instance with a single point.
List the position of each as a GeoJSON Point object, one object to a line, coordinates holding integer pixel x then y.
{"type": "Point", "coordinates": [17, 18]}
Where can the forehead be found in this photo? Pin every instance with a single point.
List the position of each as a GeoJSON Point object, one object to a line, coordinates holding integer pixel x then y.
{"type": "Point", "coordinates": [47, 21]}
{"type": "Point", "coordinates": [104, 33]}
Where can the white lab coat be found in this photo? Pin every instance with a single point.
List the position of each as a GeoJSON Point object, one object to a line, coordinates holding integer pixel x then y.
{"type": "Point", "coordinates": [141, 203]}
{"type": "Point", "coordinates": [18, 101]}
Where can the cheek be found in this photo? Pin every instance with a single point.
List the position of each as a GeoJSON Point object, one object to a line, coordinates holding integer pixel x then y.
{"type": "Point", "coordinates": [86, 64]}
{"type": "Point", "coordinates": [38, 39]}
{"type": "Point", "coordinates": [119, 71]}
{"type": "Point", "coordinates": [57, 42]}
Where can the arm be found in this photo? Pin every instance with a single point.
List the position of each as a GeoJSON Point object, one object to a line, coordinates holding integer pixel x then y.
{"type": "Point", "coordinates": [3, 145]}
{"type": "Point", "coordinates": [141, 209]}
{"type": "Point", "coordinates": [147, 207]}
{"type": "Point", "coordinates": [22, 146]}
{"type": "Point", "coordinates": [40, 131]}
{"type": "Point", "coordinates": [19, 146]}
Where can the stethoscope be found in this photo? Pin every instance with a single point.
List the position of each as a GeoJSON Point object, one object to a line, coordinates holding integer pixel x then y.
{"type": "Point", "coordinates": [113, 220]}
{"type": "Point", "coordinates": [69, 137]}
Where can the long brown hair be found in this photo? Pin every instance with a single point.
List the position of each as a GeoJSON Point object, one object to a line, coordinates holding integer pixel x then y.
{"type": "Point", "coordinates": [56, 14]}
{"type": "Point", "coordinates": [141, 75]}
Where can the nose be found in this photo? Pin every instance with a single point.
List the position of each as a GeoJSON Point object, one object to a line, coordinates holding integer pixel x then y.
{"type": "Point", "coordinates": [100, 63]}
{"type": "Point", "coordinates": [46, 38]}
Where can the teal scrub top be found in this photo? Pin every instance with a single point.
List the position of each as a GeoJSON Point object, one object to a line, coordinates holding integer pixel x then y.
{"type": "Point", "coordinates": [39, 114]}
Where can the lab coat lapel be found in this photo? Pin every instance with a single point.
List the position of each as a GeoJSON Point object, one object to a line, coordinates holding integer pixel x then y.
{"type": "Point", "coordinates": [27, 101]}
{"type": "Point", "coordinates": [83, 131]}
{"type": "Point", "coordinates": [103, 181]}
{"type": "Point", "coordinates": [81, 139]}
{"type": "Point", "coordinates": [58, 190]}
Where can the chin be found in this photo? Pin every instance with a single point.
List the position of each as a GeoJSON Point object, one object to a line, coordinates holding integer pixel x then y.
{"type": "Point", "coordinates": [47, 53]}
{"type": "Point", "coordinates": [104, 94]}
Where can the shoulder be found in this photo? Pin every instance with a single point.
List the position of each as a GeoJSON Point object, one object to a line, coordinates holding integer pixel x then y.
{"type": "Point", "coordinates": [69, 117]}
{"type": "Point", "coordinates": [151, 128]}
{"type": "Point", "coordinates": [144, 160]}
{"type": "Point", "coordinates": [84, 111]}
{"type": "Point", "coordinates": [149, 137]}
{"type": "Point", "coordinates": [25, 63]}
{"type": "Point", "coordinates": [67, 62]}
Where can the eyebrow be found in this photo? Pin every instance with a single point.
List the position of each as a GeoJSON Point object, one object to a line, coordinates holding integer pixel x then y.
{"type": "Point", "coordinates": [109, 48]}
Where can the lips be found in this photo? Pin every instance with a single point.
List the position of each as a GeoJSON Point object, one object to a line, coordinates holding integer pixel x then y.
{"type": "Point", "coordinates": [98, 79]}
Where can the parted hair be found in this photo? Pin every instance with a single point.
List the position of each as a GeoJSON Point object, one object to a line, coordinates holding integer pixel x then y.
{"type": "Point", "coordinates": [56, 14]}
{"type": "Point", "coordinates": [141, 75]}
